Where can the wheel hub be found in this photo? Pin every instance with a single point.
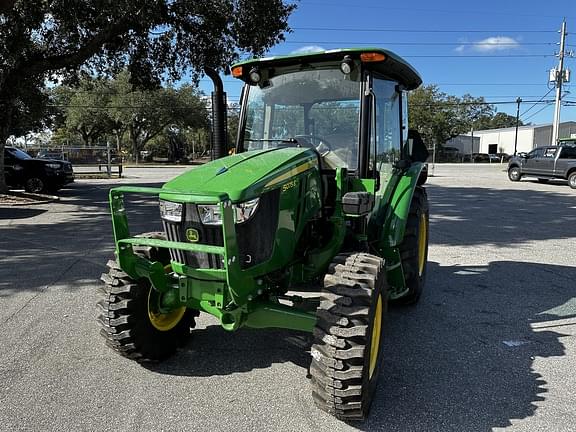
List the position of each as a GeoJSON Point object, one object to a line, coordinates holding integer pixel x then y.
{"type": "Point", "coordinates": [163, 321]}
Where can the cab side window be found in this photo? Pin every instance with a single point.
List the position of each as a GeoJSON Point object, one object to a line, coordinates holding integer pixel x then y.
{"type": "Point", "coordinates": [536, 153]}
{"type": "Point", "coordinates": [550, 153]}
{"type": "Point", "coordinates": [386, 128]}
{"type": "Point", "coordinates": [568, 152]}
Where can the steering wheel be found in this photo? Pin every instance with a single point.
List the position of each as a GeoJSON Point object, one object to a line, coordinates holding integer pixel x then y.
{"type": "Point", "coordinates": [308, 141]}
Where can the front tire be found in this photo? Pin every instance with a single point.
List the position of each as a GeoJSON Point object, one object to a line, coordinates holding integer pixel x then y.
{"type": "Point", "coordinates": [347, 338]}
{"type": "Point", "coordinates": [35, 185]}
{"type": "Point", "coordinates": [514, 174]}
{"type": "Point", "coordinates": [132, 323]}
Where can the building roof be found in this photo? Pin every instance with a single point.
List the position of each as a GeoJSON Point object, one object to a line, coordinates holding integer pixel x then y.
{"type": "Point", "coordinates": [513, 128]}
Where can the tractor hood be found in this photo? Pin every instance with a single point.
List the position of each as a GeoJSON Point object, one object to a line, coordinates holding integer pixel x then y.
{"type": "Point", "coordinates": [246, 175]}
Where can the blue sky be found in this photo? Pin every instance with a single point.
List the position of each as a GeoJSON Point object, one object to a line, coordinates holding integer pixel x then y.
{"type": "Point", "coordinates": [500, 50]}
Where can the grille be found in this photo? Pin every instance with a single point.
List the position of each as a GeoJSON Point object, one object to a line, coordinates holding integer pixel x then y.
{"type": "Point", "coordinates": [255, 237]}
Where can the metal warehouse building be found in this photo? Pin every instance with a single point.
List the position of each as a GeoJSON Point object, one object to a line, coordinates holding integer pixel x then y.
{"type": "Point", "coordinates": [502, 140]}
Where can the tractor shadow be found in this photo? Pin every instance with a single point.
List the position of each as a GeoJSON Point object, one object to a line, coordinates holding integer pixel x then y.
{"type": "Point", "coordinates": [463, 359]}
{"type": "Point", "coordinates": [213, 351]}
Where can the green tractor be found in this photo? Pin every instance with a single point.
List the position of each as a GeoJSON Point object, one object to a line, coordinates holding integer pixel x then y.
{"type": "Point", "coordinates": [320, 195]}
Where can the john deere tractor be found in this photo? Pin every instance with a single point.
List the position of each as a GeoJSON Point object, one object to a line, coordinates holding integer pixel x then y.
{"type": "Point", "coordinates": [319, 197]}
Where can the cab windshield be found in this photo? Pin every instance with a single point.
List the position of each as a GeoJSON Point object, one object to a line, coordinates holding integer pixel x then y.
{"type": "Point", "coordinates": [316, 108]}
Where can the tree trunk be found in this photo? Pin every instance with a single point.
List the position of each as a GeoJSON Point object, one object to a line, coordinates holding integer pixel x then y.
{"type": "Point", "coordinates": [118, 143]}
{"type": "Point", "coordinates": [4, 135]}
{"type": "Point", "coordinates": [134, 140]}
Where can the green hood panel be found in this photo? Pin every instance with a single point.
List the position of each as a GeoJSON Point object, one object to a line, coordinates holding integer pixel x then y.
{"type": "Point", "coordinates": [243, 176]}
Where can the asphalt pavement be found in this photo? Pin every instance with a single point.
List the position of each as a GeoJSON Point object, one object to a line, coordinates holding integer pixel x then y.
{"type": "Point", "coordinates": [490, 346]}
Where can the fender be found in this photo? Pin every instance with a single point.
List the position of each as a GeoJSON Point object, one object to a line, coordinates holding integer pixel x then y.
{"type": "Point", "coordinates": [387, 225]}
{"type": "Point", "coordinates": [396, 215]}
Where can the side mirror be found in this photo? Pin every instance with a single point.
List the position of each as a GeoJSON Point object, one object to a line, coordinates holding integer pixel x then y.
{"type": "Point", "coordinates": [417, 151]}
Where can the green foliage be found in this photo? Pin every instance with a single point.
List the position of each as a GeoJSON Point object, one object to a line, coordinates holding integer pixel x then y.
{"type": "Point", "coordinates": [151, 38]}
{"type": "Point", "coordinates": [439, 116]}
{"type": "Point", "coordinates": [499, 120]}
{"type": "Point", "coordinates": [98, 108]}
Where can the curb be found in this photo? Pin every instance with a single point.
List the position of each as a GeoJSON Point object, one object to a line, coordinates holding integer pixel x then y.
{"type": "Point", "coordinates": [37, 198]}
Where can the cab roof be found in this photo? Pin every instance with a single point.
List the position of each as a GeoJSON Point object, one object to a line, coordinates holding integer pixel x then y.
{"type": "Point", "coordinates": [392, 66]}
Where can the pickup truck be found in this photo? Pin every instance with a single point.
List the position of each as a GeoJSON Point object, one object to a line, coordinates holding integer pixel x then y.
{"type": "Point", "coordinates": [545, 163]}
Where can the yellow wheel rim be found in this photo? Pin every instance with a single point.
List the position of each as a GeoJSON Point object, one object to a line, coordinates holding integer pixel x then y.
{"type": "Point", "coordinates": [376, 333]}
{"type": "Point", "coordinates": [163, 321]}
{"type": "Point", "coordinates": [422, 246]}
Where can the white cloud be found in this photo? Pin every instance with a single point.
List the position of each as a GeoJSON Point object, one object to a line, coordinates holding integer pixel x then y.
{"type": "Point", "coordinates": [496, 43]}
{"type": "Point", "coordinates": [308, 49]}
{"type": "Point", "coordinates": [493, 43]}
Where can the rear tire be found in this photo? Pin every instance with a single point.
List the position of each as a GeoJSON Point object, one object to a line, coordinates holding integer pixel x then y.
{"type": "Point", "coordinates": [572, 180]}
{"type": "Point", "coordinates": [347, 338]}
{"type": "Point", "coordinates": [129, 322]}
{"type": "Point", "coordinates": [514, 174]}
{"type": "Point", "coordinates": [414, 248]}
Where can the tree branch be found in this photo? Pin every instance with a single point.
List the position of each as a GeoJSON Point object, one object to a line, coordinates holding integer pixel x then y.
{"type": "Point", "coordinates": [40, 65]}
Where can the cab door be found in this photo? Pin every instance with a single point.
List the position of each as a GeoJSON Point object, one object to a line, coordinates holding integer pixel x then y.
{"type": "Point", "coordinates": [530, 165]}
{"type": "Point", "coordinates": [546, 164]}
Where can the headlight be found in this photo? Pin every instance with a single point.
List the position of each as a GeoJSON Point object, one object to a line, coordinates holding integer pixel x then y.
{"type": "Point", "coordinates": [53, 166]}
{"type": "Point", "coordinates": [210, 214]}
{"type": "Point", "coordinates": [171, 211]}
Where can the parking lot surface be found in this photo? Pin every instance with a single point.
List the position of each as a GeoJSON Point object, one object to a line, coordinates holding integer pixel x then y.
{"type": "Point", "coordinates": [490, 346]}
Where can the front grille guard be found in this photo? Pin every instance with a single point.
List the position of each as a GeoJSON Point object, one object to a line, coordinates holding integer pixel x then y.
{"type": "Point", "coordinates": [239, 284]}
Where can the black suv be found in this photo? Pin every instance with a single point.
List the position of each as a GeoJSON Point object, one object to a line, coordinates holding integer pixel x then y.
{"type": "Point", "coordinates": [545, 163]}
{"type": "Point", "coordinates": [36, 175]}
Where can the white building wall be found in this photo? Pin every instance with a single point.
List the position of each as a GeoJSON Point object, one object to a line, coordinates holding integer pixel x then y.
{"type": "Point", "coordinates": [504, 139]}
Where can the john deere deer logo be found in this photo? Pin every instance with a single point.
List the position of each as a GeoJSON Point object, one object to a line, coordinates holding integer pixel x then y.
{"type": "Point", "coordinates": [192, 235]}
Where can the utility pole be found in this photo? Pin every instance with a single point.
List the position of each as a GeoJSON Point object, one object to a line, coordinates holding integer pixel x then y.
{"type": "Point", "coordinates": [559, 80]}
{"type": "Point", "coordinates": [518, 101]}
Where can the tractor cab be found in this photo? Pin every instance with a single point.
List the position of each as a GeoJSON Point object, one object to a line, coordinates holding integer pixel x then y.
{"type": "Point", "coordinates": [347, 105]}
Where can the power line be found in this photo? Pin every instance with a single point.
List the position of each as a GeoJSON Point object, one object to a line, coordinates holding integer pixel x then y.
{"type": "Point", "coordinates": [488, 84]}
{"type": "Point", "coordinates": [547, 93]}
{"type": "Point", "coordinates": [449, 104]}
{"type": "Point", "coordinates": [424, 43]}
{"type": "Point", "coordinates": [481, 56]}
{"type": "Point", "coordinates": [442, 11]}
{"type": "Point", "coordinates": [405, 30]}
{"type": "Point", "coordinates": [539, 111]}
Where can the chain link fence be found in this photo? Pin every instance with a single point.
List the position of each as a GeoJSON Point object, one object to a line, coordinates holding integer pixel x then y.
{"type": "Point", "coordinates": [100, 160]}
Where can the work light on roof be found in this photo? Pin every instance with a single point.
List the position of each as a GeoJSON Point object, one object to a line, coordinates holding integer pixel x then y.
{"type": "Point", "coordinates": [347, 65]}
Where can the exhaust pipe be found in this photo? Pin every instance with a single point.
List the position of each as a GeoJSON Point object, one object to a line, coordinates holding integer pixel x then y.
{"type": "Point", "coordinates": [219, 117]}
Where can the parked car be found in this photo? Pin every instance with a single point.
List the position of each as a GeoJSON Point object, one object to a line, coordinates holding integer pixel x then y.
{"type": "Point", "coordinates": [35, 174]}
{"type": "Point", "coordinates": [493, 158]}
{"type": "Point", "coordinates": [545, 163]}
{"type": "Point", "coordinates": [51, 154]}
